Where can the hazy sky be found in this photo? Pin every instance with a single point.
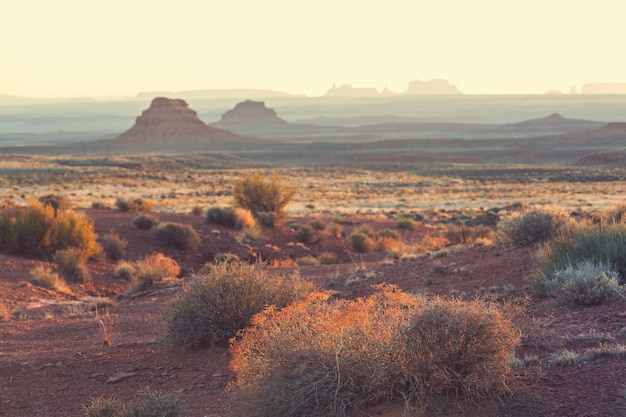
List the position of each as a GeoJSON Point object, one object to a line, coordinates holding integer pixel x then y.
{"type": "Point", "coordinates": [121, 47]}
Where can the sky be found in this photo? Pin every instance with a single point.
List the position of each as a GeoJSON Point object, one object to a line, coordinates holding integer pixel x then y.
{"type": "Point", "coordinates": [118, 48]}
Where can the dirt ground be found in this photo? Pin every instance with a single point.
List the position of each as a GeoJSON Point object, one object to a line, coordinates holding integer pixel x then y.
{"type": "Point", "coordinates": [54, 359]}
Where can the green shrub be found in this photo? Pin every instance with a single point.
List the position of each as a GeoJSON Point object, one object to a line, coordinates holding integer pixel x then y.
{"type": "Point", "coordinates": [181, 236]}
{"type": "Point", "coordinates": [532, 226]}
{"type": "Point", "coordinates": [72, 265]}
{"type": "Point", "coordinates": [332, 357]}
{"type": "Point", "coordinates": [57, 202]}
{"type": "Point", "coordinates": [361, 243]}
{"type": "Point", "coordinates": [134, 205]}
{"type": "Point", "coordinates": [260, 195]}
{"type": "Point", "coordinates": [584, 243]}
{"type": "Point", "coordinates": [221, 216]}
{"type": "Point", "coordinates": [145, 222]}
{"type": "Point", "coordinates": [146, 403]}
{"type": "Point", "coordinates": [586, 283]}
{"type": "Point", "coordinates": [221, 299]}
{"type": "Point", "coordinates": [46, 278]}
{"type": "Point", "coordinates": [407, 223]}
{"type": "Point", "coordinates": [114, 246]}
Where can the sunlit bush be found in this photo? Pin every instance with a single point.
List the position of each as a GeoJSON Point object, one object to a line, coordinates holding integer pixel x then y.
{"type": "Point", "coordinates": [221, 299]}
{"type": "Point", "coordinates": [331, 357]}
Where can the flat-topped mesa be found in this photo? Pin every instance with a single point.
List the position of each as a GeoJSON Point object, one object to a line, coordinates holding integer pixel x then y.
{"type": "Point", "coordinates": [164, 111]}
{"type": "Point", "coordinates": [169, 124]}
{"type": "Point", "coordinates": [250, 114]}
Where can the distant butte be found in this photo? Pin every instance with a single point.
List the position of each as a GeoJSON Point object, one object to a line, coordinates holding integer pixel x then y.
{"type": "Point", "coordinates": [431, 87]}
{"type": "Point", "coordinates": [250, 114]}
{"type": "Point", "coordinates": [170, 125]}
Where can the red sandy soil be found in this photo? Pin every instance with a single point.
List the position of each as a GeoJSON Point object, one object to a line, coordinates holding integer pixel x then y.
{"type": "Point", "coordinates": [53, 359]}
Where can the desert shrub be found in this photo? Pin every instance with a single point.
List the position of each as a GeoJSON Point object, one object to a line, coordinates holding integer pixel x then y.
{"type": "Point", "coordinates": [221, 299]}
{"type": "Point", "coordinates": [532, 226]}
{"type": "Point", "coordinates": [57, 202]}
{"type": "Point", "coordinates": [244, 219]}
{"type": "Point", "coordinates": [318, 225]}
{"type": "Point", "coordinates": [260, 195]}
{"type": "Point", "coordinates": [125, 270]}
{"type": "Point", "coordinates": [99, 204]}
{"type": "Point", "coordinates": [151, 269]}
{"type": "Point", "coordinates": [114, 246]}
{"type": "Point", "coordinates": [308, 234]}
{"type": "Point", "coordinates": [389, 233]}
{"type": "Point", "coordinates": [361, 243]}
{"type": "Point", "coordinates": [307, 260]}
{"type": "Point", "coordinates": [145, 222]}
{"type": "Point", "coordinates": [181, 236]}
{"type": "Point", "coordinates": [72, 264]}
{"type": "Point", "coordinates": [586, 283]}
{"type": "Point", "coordinates": [222, 216]}
{"type": "Point", "coordinates": [327, 258]}
{"type": "Point", "coordinates": [460, 347]}
{"type": "Point", "coordinates": [46, 278]}
{"type": "Point", "coordinates": [75, 230]}
{"type": "Point", "coordinates": [197, 211]}
{"type": "Point", "coordinates": [36, 229]}
{"type": "Point", "coordinates": [146, 403]}
{"type": "Point", "coordinates": [335, 229]}
{"type": "Point", "coordinates": [464, 235]}
{"type": "Point", "coordinates": [367, 230]}
{"type": "Point", "coordinates": [407, 223]}
{"type": "Point", "coordinates": [134, 205]}
{"type": "Point", "coordinates": [104, 407]}
{"type": "Point", "coordinates": [585, 243]}
{"type": "Point", "coordinates": [332, 357]}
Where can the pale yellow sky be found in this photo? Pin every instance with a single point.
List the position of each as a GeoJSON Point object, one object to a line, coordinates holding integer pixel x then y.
{"type": "Point", "coordinates": [121, 47]}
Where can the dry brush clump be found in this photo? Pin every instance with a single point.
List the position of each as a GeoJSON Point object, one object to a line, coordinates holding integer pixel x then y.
{"type": "Point", "coordinates": [180, 236]}
{"type": "Point", "coordinates": [134, 205]}
{"type": "Point", "coordinates": [265, 197]}
{"type": "Point", "coordinates": [148, 271]}
{"type": "Point", "coordinates": [38, 229]}
{"type": "Point", "coordinates": [328, 357]}
{"type": "Point", "coordinates": [222, 298]}
{"type": "Point", "coordinates": [533, 226]}
{"type": "Point", "coordinates": [146, 403]}
{"type": "Point", "coordinates": [145, 222]}
{"type": "Point", "coordinates": [46, 278]}
{"type": "Point", "coordinates": [114, 246]}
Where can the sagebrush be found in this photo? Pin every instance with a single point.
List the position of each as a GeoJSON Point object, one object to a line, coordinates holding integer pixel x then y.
{"type": "Point", "coordinates": [221, 299]}
{"type": "Point", "coordinates": [332, 357]}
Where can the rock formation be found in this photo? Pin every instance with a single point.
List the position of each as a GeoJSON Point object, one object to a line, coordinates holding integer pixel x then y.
{"type": "Point", "coordinates": [346, 90]}
{"type": "Point", "coordinates": [250, 115]}
{"type": "Point", "coordinates": [604, 88]}
{"type": "Point", "coordinates": [170, 125]}
{"type": "Point", "coordinates": [432, 87]}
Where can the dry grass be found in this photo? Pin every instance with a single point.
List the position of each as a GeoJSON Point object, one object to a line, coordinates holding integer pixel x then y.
{"type": "Point", "coordinates": [45, 277]}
